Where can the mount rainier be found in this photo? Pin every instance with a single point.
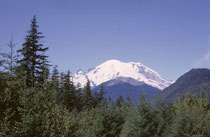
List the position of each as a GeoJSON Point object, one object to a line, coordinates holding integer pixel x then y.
{"type": "Point", "coordinates": [114, 69]}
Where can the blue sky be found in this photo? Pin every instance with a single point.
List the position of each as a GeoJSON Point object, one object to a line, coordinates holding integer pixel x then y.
{"type": "Point", "coordinates": [168, 36]}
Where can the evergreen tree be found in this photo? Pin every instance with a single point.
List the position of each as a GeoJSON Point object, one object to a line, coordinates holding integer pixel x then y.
{"type": "Point", "coordinates": [120, 101]}
{"type": "Point", "coordinates": [7, 106]}
{"type": "Point", "coordinates": [87, 96]}
{"type": "Point", "coordinates": [101, 98]}
{"type": "Point", "coordinates": [162, 117]}
{"type": "Point", "coordinates": [32, 55]}
{"type": "Point", "coordinates": [141, 122]}
{"type": "Point", "coordinates": [44, 72]}
{"type": "Point", "coordinates": [60, 91]}
{"type": "Point", "coordinates": [55, 78]}
{"type": "Point", "coordinates": [95, 99]}
{"type": "Point", "coordinates": [6, 125]}
{"type": "Point", "coordinates": [34, 106]}
{"type": "Point", "coordinates": [129, 102]}
{"type": "Point", "coordinates": [1, 61]}
{"type": "Point", "coordinates": [101, 122]}
{"type": "Point", "coordinates": [10, 58]}
{"type": "Point", "coordinates": [110, 102]}
{"type": "Point", "coordinates": [78, 94]}
{"type": "Point", "coordinates": [59, 122]}
{"type": "Point", "coordinates": [69, 92]}
{"type": "Point", "coordinates": [9, 86]}
{"type": "Point", "coordinates": [190, 118]}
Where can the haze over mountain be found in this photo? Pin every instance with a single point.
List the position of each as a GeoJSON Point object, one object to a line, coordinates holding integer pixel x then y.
{"type": "Point", "coordinates": [113, 69]}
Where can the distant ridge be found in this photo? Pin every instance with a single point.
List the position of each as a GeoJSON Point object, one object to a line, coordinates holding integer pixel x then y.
{"type": "Point", "coordinates": [194, 81]}
{"type": "Point", "coordinates": [127, 87]}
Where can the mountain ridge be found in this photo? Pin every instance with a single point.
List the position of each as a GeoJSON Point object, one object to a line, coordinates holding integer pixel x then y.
{"type": "Point", "coordinates": [193, 81]}
{"type": "Point", "coordinates": [126, 87]}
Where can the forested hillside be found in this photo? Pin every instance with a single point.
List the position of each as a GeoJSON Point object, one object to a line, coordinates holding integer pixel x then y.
{"type": "Point", "coordinates": [35, 101]}
{"type": "Point", "coordinates": [194, 82]}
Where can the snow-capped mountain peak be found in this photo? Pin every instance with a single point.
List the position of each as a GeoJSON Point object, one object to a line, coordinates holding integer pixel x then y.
{"type": "Point", "coordinates": [113, 69]}
{"type": "Point", "coordinates": [79, 72]}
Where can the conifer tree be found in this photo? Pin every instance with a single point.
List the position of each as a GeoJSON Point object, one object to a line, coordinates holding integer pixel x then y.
{"type": "Point", "coordinates": [32, 54]}
{"type": "Point", "coordinates": [61, 88]}
{"type": "Point", "coordinates": [6, 115]}
{"type": "Point", "coordinates": [34, 106]}
{"type": "Point", "coordinates": [162, 117]}
{"type": "Point", "coordinates": [55, 78]}
{"type": "Point", "coordinates": [69, 92]}
{"type": "Point", "coordinates": [129, 102]}
{"type": "Point", "coordinates": [113, 121]}
{"type": "Point", "coordinates": [87, 96]}
{"type": "Point", "coordinates": [59, 122]}
{"type": "Point", "coordinates": [95, 99]}
{"type": "Point", "coordinates": [120, 101]}
{"type": "Point", "coordinates": [44, 72]}
{"type": "Point", "coordinates": [78, 94]}
{"type": "Point", "coordinates": [141, 122]}
{"type": "Point", "coordinates": [8, 106]}
{"type": "Point", "coordinates": [10, 58]}
{"type": "Point", "coordinates": [9, 87]}
{"type": "Point", "coordinates": [1, 61]}
{"type": "Point", "coordinates": [110, 102]}
{"type": "Point", "coordinates": [190, 119]}
{"type": "Point", "coordinates": [101, 122]}
{"type": "Point", "coordinates": [101, 94]}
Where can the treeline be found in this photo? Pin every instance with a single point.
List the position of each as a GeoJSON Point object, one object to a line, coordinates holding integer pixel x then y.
{"type": "Point", "coordinates": [37, 102]}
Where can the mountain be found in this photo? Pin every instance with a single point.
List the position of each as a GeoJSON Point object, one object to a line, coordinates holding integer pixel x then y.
{"type": "Point", "coordinates": [113, 69]}
{"type": "Point", "coordinates": [194, 81]}
{"type": "Point", "coordinates": [125, 87]}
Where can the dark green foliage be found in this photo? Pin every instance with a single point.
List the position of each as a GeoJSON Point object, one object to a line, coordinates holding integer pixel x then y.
{"type": "Point", "coordinates": [32, 107]}
{"type": "Point", "coordinates": [7, 113]}
{"type": "Point", "coordinates": [101, 122]}
{"type": "Point", "coordinates": [141, 121]}
{"type": "Point", "coordinates": [55, 79]}
{"type": "Point", "coordinates": [33, 61]}
{"type": "Point", "coordinates": [110, 102]}
{"type": "Point", "coordinates": [129, 102]}
{"type": "Point", "coordinates": [87, 98]}
{"type": "Point", "coordinates": [98, 98]}
{"type": "Point", "coordinates": [78, 101]}
{"type": "Point", "coordinates": [120, 101]}
{"type": "Point", "coordinates": [9, 87]}
{"type": "Point", "coordinates": [44, 72]}
{"type": "Point", "coordinates": [162, 117]}
{"type": "Point", "coordinates": [69, 97]}
{"type": "Point", "coordinates": [190, 118]}
{"type": "Point", "coordinates": [7, 106]}
{"type": "Point", "coordinates": [59, 122]}
{"type": "Point", "coordinates": [101, 93]}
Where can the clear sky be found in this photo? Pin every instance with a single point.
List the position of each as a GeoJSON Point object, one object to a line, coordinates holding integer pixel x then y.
{"type": "Point", "coordinates": [169, 36]}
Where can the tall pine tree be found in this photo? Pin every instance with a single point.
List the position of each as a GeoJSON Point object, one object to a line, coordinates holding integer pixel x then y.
{"type": "Point", "coordinates": [69, 92]}
{"type": "Point", "coordinates": [33, 56]}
